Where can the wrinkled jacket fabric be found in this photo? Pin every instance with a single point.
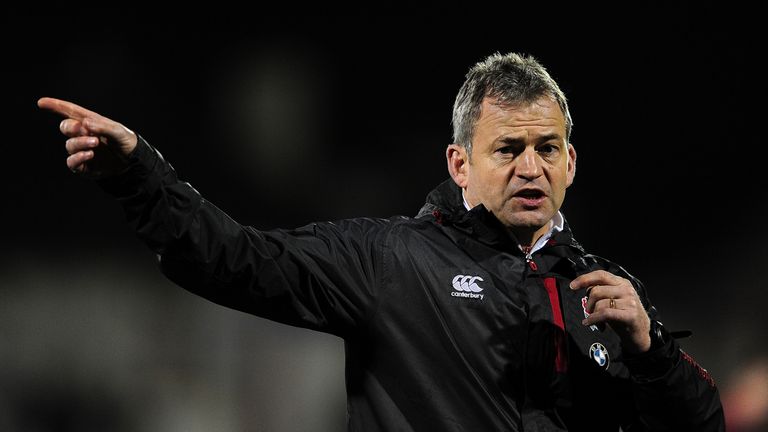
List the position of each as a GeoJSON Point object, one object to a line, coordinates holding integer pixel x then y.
{"type": "Point", "coordinates": [447, 326]}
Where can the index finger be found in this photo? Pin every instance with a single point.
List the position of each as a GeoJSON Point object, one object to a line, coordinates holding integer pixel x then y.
{"type": "Point", "coordinates": [67, 109]}
{"type": "Point", "coordinates": [597, 277]}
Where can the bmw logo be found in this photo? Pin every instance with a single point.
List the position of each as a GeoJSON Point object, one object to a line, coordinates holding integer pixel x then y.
{"type": "Point", "coordinates": [599, 354]}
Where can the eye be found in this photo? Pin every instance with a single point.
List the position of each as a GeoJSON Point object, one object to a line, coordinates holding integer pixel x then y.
{"type": "Point", "coordinates": [509, 148]}
{"type": "Point", "coordinates": [548, 149]}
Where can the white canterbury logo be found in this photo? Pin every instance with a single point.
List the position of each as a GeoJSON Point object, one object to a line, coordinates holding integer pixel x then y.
{"type": "Point", "coordinates": [467, 283]}
{"type": "Point", "coordinates": [467, 287]}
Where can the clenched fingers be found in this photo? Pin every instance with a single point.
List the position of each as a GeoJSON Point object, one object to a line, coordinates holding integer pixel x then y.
{"type": "Point", "coordinates": [76, 162]}
{"type": "Point", "coordinates": [89, 126]}
{"type": "Point", "coordinates": [72, 128]}
{"type": "Point", "coordinates": [81, 143]}
{"type": "Point", "coordinates": [615, 309]}
{"type": "Point", "coordinates": [624, 290]}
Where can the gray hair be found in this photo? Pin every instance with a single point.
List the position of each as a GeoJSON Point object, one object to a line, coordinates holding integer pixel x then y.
{"type": "Point", "coordinates": [510, 79]}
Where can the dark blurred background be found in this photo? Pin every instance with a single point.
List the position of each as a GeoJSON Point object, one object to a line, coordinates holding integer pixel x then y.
{"type": "Point", "coordinates": [284, 119]}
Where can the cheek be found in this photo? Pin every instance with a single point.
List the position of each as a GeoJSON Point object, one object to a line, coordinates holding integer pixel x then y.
{"type": "Point", "coordinates": [489, 186]}
{"type": "Point", "coordinates": [558, 181]}
{"type": "Point", "coordinates": [495, 181]}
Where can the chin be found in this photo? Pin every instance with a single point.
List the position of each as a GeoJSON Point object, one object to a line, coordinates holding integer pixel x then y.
{"type": "Point", "coordinates": [532, 222]}
{"type": "Point", "coordinates": [523, 224]}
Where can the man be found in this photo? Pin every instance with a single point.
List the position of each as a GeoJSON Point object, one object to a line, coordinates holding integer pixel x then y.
{"type": "Point", "coordinates": [482, 313]}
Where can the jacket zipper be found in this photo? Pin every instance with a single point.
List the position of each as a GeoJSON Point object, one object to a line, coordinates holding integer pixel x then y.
{"type": "Point", "coordinates": [529, 258]}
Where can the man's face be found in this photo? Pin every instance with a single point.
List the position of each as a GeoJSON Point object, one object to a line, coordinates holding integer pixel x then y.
{"type": "Point", "coordinates": [521, 163]}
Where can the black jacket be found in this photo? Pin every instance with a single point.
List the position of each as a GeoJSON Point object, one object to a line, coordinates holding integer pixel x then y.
{"type": "Point", "coordinates": [447, 326]}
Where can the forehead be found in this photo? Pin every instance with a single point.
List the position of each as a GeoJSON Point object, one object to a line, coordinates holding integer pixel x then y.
{"type": "Point", "coordinates": [540, 117]}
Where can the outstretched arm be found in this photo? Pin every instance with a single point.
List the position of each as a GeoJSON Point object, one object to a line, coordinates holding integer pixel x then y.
{"type": "Point", "coordinates": [320, 276]}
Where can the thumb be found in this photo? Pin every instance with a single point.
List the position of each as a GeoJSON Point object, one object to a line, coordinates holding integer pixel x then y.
{"type": "Point", "coordinates": [122, 136]}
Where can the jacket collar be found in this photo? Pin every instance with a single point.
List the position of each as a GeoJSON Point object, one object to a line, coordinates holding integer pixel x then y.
{"type": "Point", "coordinates": [445, 205]}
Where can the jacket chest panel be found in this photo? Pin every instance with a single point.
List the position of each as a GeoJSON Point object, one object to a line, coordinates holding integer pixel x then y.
{"type": "Point", "coordinates": [472, 309]}
{"type": "Point", "coordinates": [490, 308]}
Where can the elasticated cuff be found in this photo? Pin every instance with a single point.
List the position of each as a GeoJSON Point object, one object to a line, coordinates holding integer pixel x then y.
{"type": "Point", "coordinates": [652, 365]}
{"type": "Point", "coordinates": [142, 172]}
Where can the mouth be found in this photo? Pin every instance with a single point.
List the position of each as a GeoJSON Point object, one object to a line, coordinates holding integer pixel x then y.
{"type": "Point", "coordinates": [530, 198]}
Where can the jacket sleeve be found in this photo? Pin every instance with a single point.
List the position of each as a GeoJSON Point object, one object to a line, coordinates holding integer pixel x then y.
{"type": "Point", "coordinates": [321, 276]}
{"type": "Point", "coordinates": [671, 391]}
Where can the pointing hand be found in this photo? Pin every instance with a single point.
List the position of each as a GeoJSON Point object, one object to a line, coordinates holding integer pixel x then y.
{"type": "Point", "coordinates": [97, 146]}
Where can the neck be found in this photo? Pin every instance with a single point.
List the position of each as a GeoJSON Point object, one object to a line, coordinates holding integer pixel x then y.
{"type": "Point", "coordinates": [528, 238]}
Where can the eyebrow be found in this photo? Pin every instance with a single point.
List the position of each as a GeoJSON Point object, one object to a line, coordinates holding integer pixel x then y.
{"type": "Point", "coordinates": [543, 138]}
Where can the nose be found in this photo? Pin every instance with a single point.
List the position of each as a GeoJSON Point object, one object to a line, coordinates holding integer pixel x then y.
{"type": "Point", "coordinates": [528, 165]}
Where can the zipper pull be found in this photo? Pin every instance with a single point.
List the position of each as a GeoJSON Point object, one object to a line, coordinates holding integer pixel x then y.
{"type": "Point", "coordinates": [529, 258]}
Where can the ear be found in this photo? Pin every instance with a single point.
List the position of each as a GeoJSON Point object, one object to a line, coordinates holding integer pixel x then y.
{"type": "Point", "coordinates": [571, 173]}
{"type": "Point", "coordinates": [458, 164]}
